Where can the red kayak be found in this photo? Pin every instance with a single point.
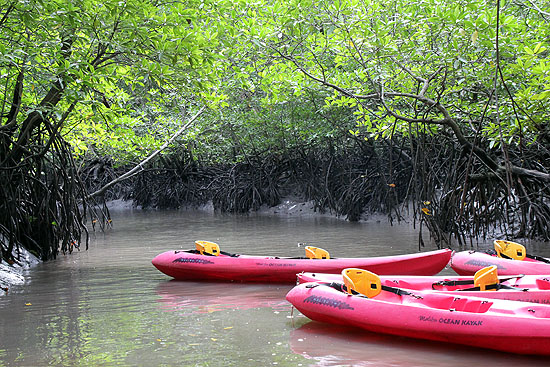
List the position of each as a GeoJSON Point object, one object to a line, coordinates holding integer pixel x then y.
{"type": "Point", "coordinates": [468, 262]}
{"type": "Point", "coordinates": [191, 265]}
{"type": "Point", "coordinates": [528, 288]}
{"type": "Point", "coordinates": [509, 326]}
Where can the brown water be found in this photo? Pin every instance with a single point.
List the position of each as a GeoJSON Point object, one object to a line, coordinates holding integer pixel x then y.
{"type": "Point", "coordinates": [109, 306]}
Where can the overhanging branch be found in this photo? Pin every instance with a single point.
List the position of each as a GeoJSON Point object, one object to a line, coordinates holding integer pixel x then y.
{"type": "Point", "coordinates": [139, 167]}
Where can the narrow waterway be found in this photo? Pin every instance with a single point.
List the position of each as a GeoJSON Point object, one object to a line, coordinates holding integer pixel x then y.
{"type": "Point", "coordinates": [109, 306]}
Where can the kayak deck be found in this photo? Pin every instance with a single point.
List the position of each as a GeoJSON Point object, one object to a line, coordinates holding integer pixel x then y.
{"type": "Point", "coordinates": [188, 265]}
{"type": "Point", "coordinates": [526, 288]}
{"type": "Point", "coordinates": [468, 262]}
{"type": "Point", "coordinates": [516, 327]}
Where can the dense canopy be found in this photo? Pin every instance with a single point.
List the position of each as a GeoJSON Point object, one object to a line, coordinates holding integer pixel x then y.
{"type": "Point", "coordinates": [359, 105]}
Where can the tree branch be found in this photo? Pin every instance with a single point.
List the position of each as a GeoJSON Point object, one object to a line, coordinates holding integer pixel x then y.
{"type": "Point", "coordinates": [5, 16]}
{"type": "Point", "coordinates": [15, 104]}
{"type": "Point", "coordinates": [446, 121]}
{"type": "Point", "coordinates": [139, 167]}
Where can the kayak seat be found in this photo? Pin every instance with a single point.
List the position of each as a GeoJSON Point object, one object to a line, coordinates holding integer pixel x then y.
{"type": "Point", "coordinates": [207, 248]}
{"type": "Point", "coordinates": [316, 253]}
{"type": "Point", "coordinates": [487, 278]}
{"type": "Point", "coordinates": [361, 281]}
{"type": "Point", "coordinates": [509, 250]}
{"type": "Point", "coordinates": [228, 254]}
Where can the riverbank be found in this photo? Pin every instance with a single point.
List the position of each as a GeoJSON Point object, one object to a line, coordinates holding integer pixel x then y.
{"type": "Point", "coordinates": [289, 206]}
{"type": "Point", "coordinates": [13, 274]}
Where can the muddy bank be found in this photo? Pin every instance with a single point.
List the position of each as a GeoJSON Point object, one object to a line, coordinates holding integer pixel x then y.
{"type": "Point", "coordinates": [13, 274]}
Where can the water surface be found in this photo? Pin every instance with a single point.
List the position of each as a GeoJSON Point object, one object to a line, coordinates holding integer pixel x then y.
{"type": "Point", "coordinates": [109, 306]}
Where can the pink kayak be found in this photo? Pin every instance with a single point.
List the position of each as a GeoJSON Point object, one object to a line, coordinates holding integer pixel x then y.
{"type": "Point", "coordinates": [468, 262]}
{"type": "Point", "coordinates": [528, 288]}
{"type": "Point", "coordinates": [509, 326]}
{"type": "Point", "coordinates": [189, 265]}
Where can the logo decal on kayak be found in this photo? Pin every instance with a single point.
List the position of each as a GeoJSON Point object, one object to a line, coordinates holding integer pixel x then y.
{"type": "Point", "coordinates": [330, 302]}
{"type": "Point", "coordinates": [192, 260]}
{"type": "Point", "coordinates": [483, 263]}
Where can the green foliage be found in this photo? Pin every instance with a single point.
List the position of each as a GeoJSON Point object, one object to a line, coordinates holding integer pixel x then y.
{"type": "Point", "coordinates": [364, 49]}
{"type": "Point", "coordinates": [129, 67]}
{"type": "Point", "coordinates": [249, 127]}
{"type": "Point", "coordinates": [136, 67]}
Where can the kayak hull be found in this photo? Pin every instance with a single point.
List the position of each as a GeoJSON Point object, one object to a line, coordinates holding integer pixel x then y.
{"type": "Point", "coordinates": [468, 262]}
{"type": "Point", "coordinates": [529, 288]}
{"type": "Point", "coordinates": [187, 265]}
{"type": "Point", "coordinates": [516, 327]}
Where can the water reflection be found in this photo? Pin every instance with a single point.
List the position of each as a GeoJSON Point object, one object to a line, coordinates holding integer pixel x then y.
{"type": "Point", "coordinates": [333, 345]}
{"type": "Point", "coordinates": [188, 298]}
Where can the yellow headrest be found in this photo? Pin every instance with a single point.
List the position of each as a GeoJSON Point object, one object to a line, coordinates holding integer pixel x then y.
{"type": "Point", "coordinates": [362, 281]}
{"type": "Point", "coordinates": [207, 247]}
{"type": "Point", "coordinates": [510, 249]}
{"type": "Point", "coordinates": [486, 277]}
{"type": "Point", "coordinates": [316, 253]}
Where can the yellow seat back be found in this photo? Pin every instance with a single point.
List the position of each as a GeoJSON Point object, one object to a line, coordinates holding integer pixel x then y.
{"type": "Point", "coordinates": [316, 253]}
{"type": "Point", "coordinates": [486, 277]}
{"type": "Point", "coordinates": [207, 247]}
{"type": "Point", "coordinates": [510, 249]}
{"type": "Point", "coordinates": [361, 281]}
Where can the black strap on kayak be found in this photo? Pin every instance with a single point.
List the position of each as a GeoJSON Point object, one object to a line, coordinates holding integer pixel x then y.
{"type": "Point", "coordinates": [229, 254]}
{"type": "Point", "coordinates": [504, 256]}
{"type": "Point", "coordinates": [538, 258]}
{"type": "Point", "coordinates": [452, 283]}
{"type": "Point", "coordinates": [492, 286]}
{"type": "Point", "coordinates": [399, 291]}
{"type": "Point", "coordinates": [208, 254]}
{"type": "Point", "coordinates": [342, 288]}
{"type": "Point", "coordinates": [336, 285]}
